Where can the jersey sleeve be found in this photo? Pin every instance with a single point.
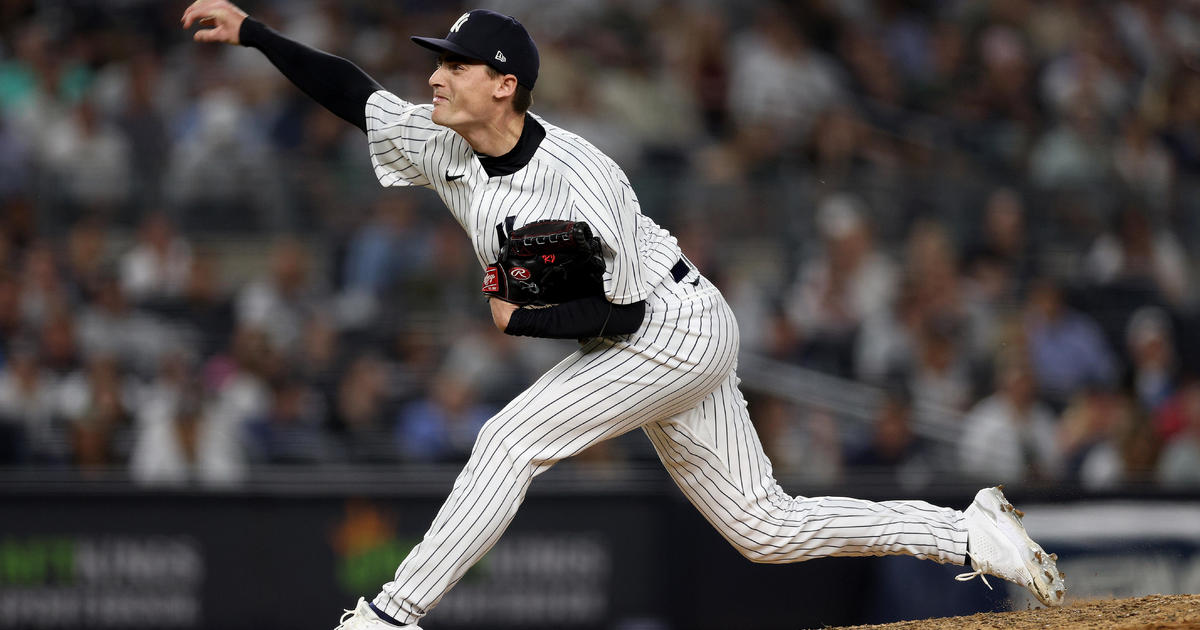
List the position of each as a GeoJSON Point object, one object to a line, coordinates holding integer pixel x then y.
{"type": "Point", "coordinates": [397, 133]}
{"type": "Point", "coordinates": [611, 210]}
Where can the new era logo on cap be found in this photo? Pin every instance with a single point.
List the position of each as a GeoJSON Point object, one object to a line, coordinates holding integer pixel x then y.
{"type": "Point", "coordinates": [492, 38]}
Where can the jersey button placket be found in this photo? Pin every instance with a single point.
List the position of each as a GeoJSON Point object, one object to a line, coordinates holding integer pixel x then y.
{"type": "Point", "coordinates": [487, 216]}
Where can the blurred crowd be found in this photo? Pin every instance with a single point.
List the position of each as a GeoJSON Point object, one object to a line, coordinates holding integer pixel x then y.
{"type": "Point", "coordinates": [982, 208]}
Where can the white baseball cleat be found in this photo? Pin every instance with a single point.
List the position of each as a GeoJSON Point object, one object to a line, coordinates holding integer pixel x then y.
{"type": "Point", "coordinates": [363, 618]}
{"type": "Point", "coordinates": [998, 545]}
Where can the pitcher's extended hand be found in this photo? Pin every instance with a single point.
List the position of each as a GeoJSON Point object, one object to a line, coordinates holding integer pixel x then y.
{"type": "Point", "coordinates": [220, 21]}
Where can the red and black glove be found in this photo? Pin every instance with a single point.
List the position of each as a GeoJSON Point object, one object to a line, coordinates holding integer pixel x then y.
{"type": "Point", "coordinates": [547, 262]}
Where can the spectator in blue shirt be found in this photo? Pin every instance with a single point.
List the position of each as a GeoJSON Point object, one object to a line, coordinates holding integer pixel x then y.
{"type": "Point", "coordinates": [1067, 348]}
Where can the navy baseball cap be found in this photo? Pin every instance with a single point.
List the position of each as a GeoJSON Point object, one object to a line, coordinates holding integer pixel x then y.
{"type": "Point", "coordinates": [493, 38]}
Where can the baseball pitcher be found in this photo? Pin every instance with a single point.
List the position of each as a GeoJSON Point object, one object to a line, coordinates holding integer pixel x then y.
{"type": "Point", "coordinates": [566, 253]}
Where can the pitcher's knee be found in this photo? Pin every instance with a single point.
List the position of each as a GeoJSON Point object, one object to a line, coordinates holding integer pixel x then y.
{"type": "Point", "coordinates": [499, 444]}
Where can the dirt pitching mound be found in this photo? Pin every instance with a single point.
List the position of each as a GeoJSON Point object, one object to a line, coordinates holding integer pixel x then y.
{"type": "Point", "coordinates": [1153, 612]}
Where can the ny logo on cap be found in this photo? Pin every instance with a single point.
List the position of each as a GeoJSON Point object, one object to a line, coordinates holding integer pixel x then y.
{"type": "Point", "coordinates": [459, 22]}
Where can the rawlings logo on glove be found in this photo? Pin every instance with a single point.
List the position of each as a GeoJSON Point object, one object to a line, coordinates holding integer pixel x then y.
{"type": "Point", "coordinates": [546, 262]}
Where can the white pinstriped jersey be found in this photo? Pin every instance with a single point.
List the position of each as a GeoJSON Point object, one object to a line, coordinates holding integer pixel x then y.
{"type": "Point", "coordinates": [675, 377]}
{"type": "Point", "coordinates": [567, 178]}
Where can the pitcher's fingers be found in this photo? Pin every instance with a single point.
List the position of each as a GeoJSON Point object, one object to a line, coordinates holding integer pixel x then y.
{"type": "Point", "coordinates": [210, 35]}
{"type": "Point", "coordinates": [197, 11]}
{"type": "Point", "coordinates": [190, 14]}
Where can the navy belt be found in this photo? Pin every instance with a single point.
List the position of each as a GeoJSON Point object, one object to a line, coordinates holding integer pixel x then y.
{"type": "Point", "coordinates": [680, 270]}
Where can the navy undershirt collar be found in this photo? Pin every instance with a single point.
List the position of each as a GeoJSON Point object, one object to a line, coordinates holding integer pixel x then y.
{"type": "Point", "coordinates": [519, 156]}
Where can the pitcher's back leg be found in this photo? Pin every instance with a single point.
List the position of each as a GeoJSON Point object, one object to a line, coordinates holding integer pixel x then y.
{"type": "Point", "coordinates": [715, 457]}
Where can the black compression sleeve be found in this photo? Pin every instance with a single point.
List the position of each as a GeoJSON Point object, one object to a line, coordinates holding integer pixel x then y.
{"type": "Point", "coordinates": [337, 84]}
{"type": "Point", "coordinates": [578, 319]}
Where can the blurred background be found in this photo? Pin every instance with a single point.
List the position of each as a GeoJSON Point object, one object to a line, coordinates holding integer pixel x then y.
{"type": "Point", "coordinates": [237, 376]}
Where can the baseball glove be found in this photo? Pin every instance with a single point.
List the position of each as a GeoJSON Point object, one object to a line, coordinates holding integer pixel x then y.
{"type": "Point", "coordinates": [547, 262]}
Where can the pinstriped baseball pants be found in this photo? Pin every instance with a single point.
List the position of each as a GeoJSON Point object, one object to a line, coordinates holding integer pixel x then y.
{"type": "Point", "coordinates": [675, 378]}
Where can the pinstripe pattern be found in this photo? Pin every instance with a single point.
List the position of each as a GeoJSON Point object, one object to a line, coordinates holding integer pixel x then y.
{"type": "Point", "coordinates": [567, 178]}
{"type": "Point", "coordinates": [675, 378]}
{"type": "Point", "coordinates": [724, 474]}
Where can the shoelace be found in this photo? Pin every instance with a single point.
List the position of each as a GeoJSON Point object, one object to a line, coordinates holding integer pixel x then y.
{"type": "Point", "coordinates": [347, 615]}
{"type": "Point", "coordinates": [980, 569]}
